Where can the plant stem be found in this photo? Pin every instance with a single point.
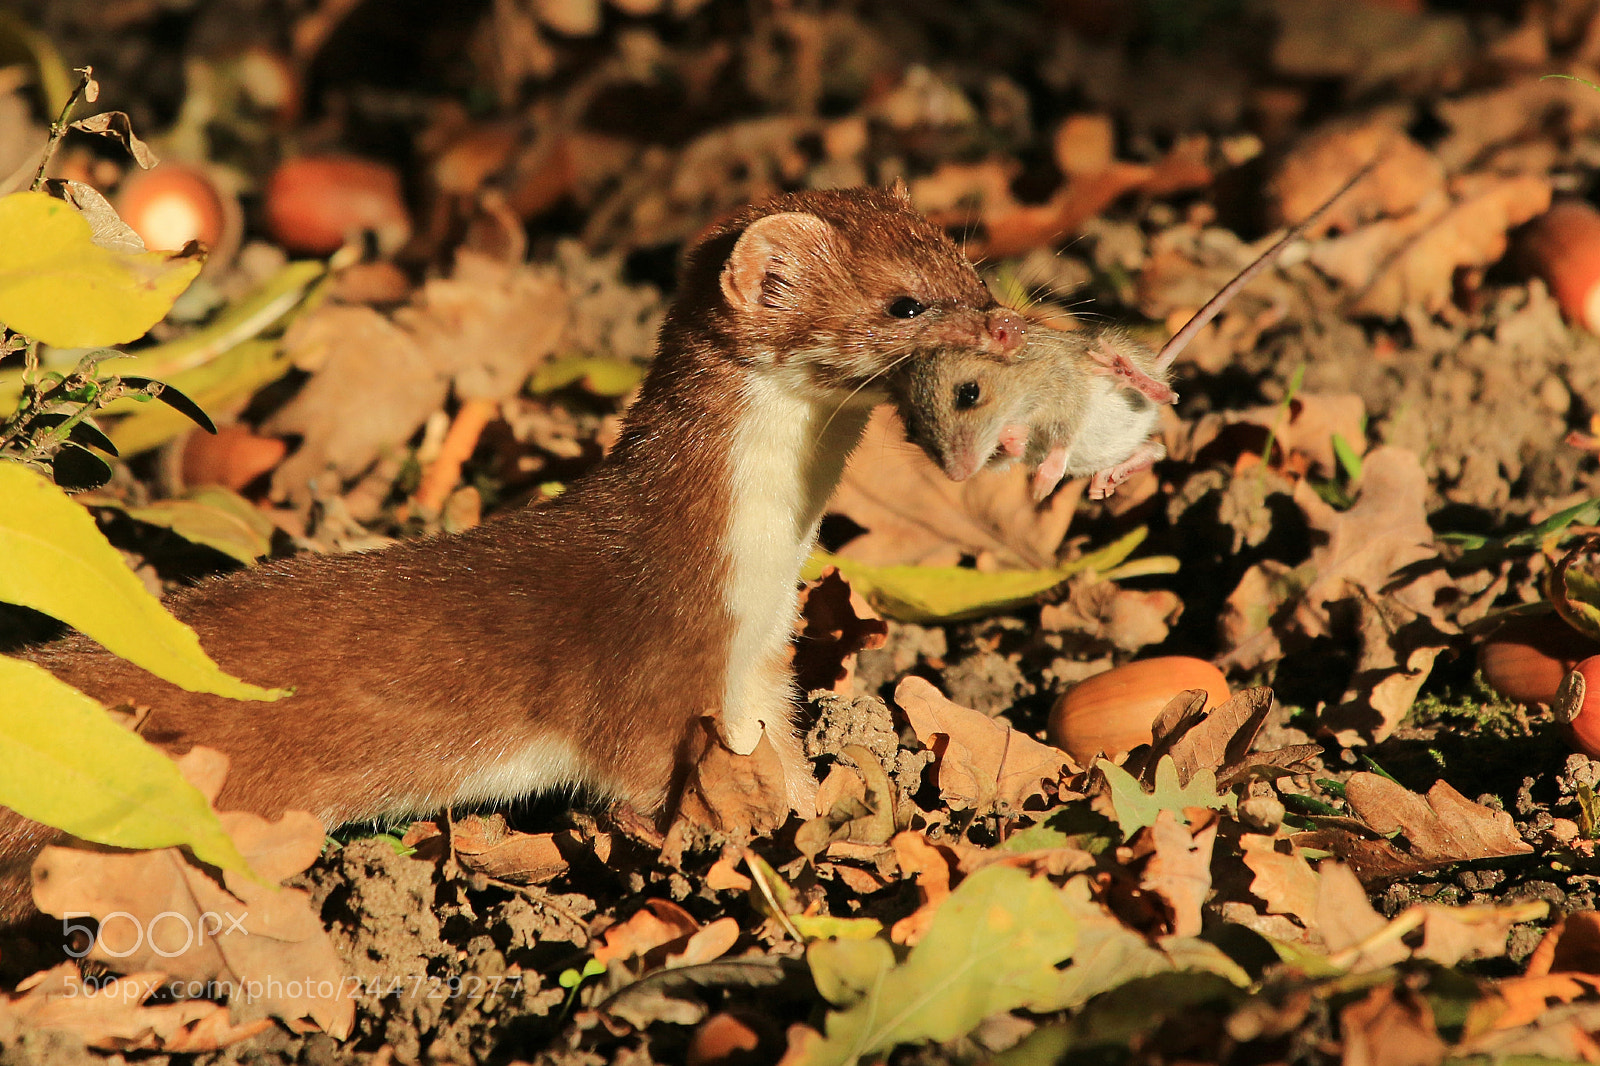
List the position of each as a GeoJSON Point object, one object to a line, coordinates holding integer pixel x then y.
{"type": "Point", "coordinates": [58, 128]}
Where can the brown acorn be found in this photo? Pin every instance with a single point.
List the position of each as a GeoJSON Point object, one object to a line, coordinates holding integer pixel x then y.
{"type": "Point", "coordinates": [316, 203]}
{"type": "Point", "coordinates": [1526, 658]}
{"type": "Point", "coordinates": [1111, 713]}
{"type": "Point", "coordinates": [174, 203]}
{"type": "Point", "coordinates": [1577, 705]}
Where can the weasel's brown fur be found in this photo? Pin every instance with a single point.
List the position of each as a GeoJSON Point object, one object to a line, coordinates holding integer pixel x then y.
{"type": "Point", "coordinates": [576, 642]}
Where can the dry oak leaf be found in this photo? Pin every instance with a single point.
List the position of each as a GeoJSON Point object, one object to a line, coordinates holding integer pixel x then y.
{"type": "Point", "coordinates": [1179, 871]}
{"type": "Point", "coordinates": [113, 1015]}
{"type": "Point", "coordinates": [265, 945]}
{"type": "Point", "coordinates": [727, 796]}
{"type": "Point", "coordinates": [913, 514]}
{"type": "Point", "coordinates": [1412, 261]}
{"type": "Point", "coordinates": [1284, 881]}
{"type": "Point", "coordinates": [1406, 178]}
{"type": "Point", "coordinates": [487, 846]}
{"type": "Point", "coordinates": [1352, 931]}
{"type": "Point", "coordinates": [1392, 1026]}
{"type": "Point", "coordinates": [1402, 631]}
{"type": "Point", "coordinates": [371, 386]}
{"type": "Point", "coordinates": [658, 923]}
{"type": "Point", "coordinates": [1305, 426]}
{"type": "Point", "coordinates": [1128, 619]}
{"type": "Point", "coordinates": [489, 324]}
{"type": "Point", "coordinates": [932, 866]}
{"type": "Point", "coordinates": [836, 624]}
{"type": "Point", "coordinates": [1443, 828]}
{"type": "Point", "coordinates": [981, 761]}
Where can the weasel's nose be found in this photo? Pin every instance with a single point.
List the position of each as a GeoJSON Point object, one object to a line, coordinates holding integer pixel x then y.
{"type": "Point", "coordinates": [1007, 330]}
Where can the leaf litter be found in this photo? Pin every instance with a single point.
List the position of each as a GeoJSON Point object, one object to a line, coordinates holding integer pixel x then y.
{"type": "Point", "coordinates": [1254, 879]}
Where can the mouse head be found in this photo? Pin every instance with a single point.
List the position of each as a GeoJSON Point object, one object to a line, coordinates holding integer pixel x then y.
{"type": "Point", "coordinates": [840, 285]}
{"type": "Point", "coordinates": [963, 411]}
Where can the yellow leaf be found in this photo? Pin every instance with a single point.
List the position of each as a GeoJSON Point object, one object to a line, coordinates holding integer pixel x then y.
{"type": "Point", "coordinates": [57, 562]}
{"type": "Point", "coordinates": [948, 593]}
{"type": "Point", "coordinates": [69, 765]}
{"type": "Point", "coordinates": [58, 286]}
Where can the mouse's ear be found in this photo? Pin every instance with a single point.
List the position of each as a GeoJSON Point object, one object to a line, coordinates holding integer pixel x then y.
{"type": "Point", "coordinates": [765, 266]}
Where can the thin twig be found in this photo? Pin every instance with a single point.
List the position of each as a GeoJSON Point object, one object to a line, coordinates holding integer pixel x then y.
{"type": "Point", "coordinates": [58, 128]}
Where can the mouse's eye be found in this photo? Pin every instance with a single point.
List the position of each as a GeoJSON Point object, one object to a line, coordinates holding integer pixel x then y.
{"type": "Point", "coordinates": [967, 395]}
{"type": "Point", "coordinates": [906, 307]}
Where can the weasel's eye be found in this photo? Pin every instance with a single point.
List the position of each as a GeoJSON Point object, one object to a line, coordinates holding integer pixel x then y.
{"type": "Point", "coordinates": [906, 307]}
{"type": "Point", "coordinates": [967, 395]}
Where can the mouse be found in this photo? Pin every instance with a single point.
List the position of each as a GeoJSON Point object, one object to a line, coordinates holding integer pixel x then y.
{"type": "Point", "coordinates": [1069, 403]}
{"type": "Point", "coordinates": [578, 643]}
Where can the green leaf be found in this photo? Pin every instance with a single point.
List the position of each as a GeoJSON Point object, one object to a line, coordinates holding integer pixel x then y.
{"type": "Point", "coordinates": [951, 593]}
{"type": "Point", "coordinates": [57, 562]}
{"type": "Point", "coordinates": [1137, 808]}
{"type": "Point", "coordinates": [1575, 588]}
{"type": "Point", "coordinates": [1349, 461]}
{"type": "Point", "coordinates": [993, 946]}
{"type": "Point", "coordinates": [599, 377]}
{"type": "Point", "coordinates": [827, 927]}
{"type": "Point", "coordinates": [222, 384]}
{"type": "Point", "coordinates": [215, 517]}
{"type": "Point", "coordinates": [58, 286]}
{"type": "Point", "coordinates": [69, 765]}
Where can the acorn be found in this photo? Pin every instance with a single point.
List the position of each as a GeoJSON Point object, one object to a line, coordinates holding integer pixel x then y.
{"type": "Point", "coordinates": [1563, 247]}
{"type": "Point", "coordinates": [175, 203]}
{"type": "Point", "coordinates": [233, 457]}
{"type": "Point", "coordinates": [1111, 713]}
{"type": "Point", "coordinates": [316, 203]}
{"type": "Point", "coordinates": [1575, 702]}
{"type": "Point", "coordinates": [1526, 658]}
{"type": "Point", "coordinates": [734, 1038]}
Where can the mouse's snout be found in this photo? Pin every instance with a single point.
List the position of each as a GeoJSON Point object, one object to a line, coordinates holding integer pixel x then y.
{"type": "Point", "coordinates": [1006, 329]}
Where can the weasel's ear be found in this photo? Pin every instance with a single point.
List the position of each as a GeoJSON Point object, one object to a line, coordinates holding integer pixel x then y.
{"type": "Point", "coordinates": [899, 191]}
{"type": "Point", "coordinates": [768, 262]}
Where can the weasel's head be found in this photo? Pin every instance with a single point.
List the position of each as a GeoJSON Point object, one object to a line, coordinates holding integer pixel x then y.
{"type": "Point", "coordinates": [962, 411]}
{"type": "Point", "coordinates": [840, 286]}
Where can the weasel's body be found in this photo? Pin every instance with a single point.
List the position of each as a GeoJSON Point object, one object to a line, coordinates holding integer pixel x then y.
{"type": "Point", "coordinates": [576, 643]}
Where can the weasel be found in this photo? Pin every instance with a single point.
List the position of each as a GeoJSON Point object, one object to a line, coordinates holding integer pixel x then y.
{"type": "Point", "coordinates": [575, 643]}
{"type": "Point", "coordinates": [1070, 404]}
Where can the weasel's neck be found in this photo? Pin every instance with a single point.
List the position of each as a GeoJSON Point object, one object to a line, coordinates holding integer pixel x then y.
{"type": "Point", "coordinates": [785, 457]}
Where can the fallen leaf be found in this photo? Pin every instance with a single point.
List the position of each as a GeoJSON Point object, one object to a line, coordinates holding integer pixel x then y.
{"type": "Point", "coordinates": [1135, 808]}
{"type": "Point", "coordinates": [1348, 925]}
{"type": "Point", "coordinates": [263, 946]}
{"type": "Point", "coordinates": [1442, 828]}
{"type": "Point", "coordinates": [658, 923]}
{"type": "Point", "coordinates": [114, 1014]}
{"type": "Point", "coordinates": [1391, 1026]}
{"type": "Point", "coordinates": [993, 946]}
{"type": "Point", "coordinates": [487, 846]}
{"type": "Point", "coordinates": [950, 593]}
{"type": "Point", "coordinates": [726, 796]}
{"type": "Point", "coordinates": [912, 513]}
{"type": "Point", "coordinates": [931, 866]}
{"type": "Point", "coordinates": [981, 761]}
{"type": "Point", "coordinates": [836, 624]}
{"type": "Point", "coordinates": [1412, 260]}
{"type": "Point", "coordinates": [1128, 619]}
{"type": "Point", "coordinates": [371, 386]}
{"type": "Point", "coordinates": [1180, 869]}
{"type": "Point", "coordinates": [1284, 881]}
{"type": "Point", "coordinates": [489, 324]}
